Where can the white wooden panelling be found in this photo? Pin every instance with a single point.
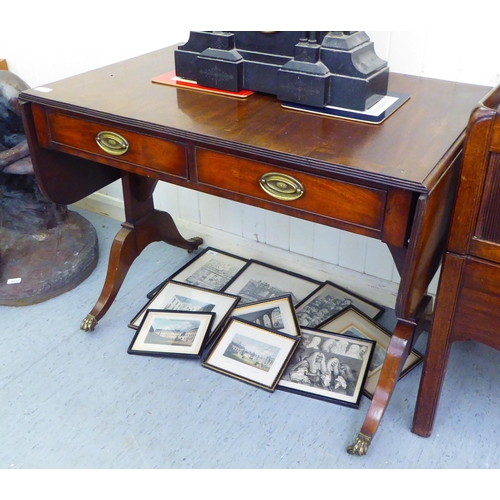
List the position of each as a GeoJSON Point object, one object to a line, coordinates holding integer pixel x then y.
{"type": "Point", "coordinates": [406, 51]}
{"type": "Point", "coordinates": [166, 197]}
{"type": "Point", "coordinates": [443, 62]}
{"type": "Point", "coordinates": [210, 210]}
{"type": "Point", "coordinates": [396, 278]}
{"type": "Point", "coordinates": [301, 237]}
{"type": "Point", "coordinates": [277, 230]}
{"type": "Point", "coordinates": [433, 285]}
{"type": "Point", "coordinates": [231, 216]}
{"type": "Point", "coordinates": [326, 243]}
{"type": "Point", "coordinates": [352, 251]}
{"type": "Point", "coordinates": [378, 260]}
{"type": "Point", "coordinates": [254, 224]}
{"type": "Point", "coordinates": [188, 205]}
{"type": "Point", "coordinates": [480, 63]}
{"type": "Point", "coordinates": [104, 205]}
{"type": "Point", "coordinates": [113, 190]}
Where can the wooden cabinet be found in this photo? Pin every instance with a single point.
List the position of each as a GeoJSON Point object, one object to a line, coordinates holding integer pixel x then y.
{"type": "Point", "coordinates": [468, 298]}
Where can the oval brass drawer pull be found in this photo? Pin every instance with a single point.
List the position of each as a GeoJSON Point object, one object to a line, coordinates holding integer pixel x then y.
{"type": "Point", "coordinates": [112, 143]}
{"type": "Point", "coordinates": [281, 186]}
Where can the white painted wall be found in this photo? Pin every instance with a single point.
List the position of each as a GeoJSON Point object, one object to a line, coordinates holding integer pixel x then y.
{"type": "Point", "coordinates": [54, 44]}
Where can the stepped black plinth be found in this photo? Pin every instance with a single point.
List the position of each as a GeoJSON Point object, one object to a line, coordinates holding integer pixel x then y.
{"type": "Point", "coordinates": [314, 68]}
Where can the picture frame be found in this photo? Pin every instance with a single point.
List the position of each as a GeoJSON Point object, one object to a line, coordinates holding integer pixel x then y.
{"type": "Point", "coordinates": [211, 269]}
{"type": "Point", "coordinates": [251, 353]}
{"type": "Point", "coordinates": [276, 314]}
{"type": "Point", "coordinates": [175, 296]}
{"type": "Point", "coordinates": [329, 300]}
{"type": "Point", "coordinates": [259, 281]}
{"type": "Point", "coordinates": [172, 333]}
{"type": "Point", "coordinates": [353, 322]}
{"type": "Point", "coordinates": [322, 370]}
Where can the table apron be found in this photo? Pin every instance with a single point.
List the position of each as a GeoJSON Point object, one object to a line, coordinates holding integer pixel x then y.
{"type": "Point", "coordinates": [373, 210]}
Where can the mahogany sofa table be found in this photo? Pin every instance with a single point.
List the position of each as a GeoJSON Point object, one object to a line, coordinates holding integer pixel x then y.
{"type": "Point", "coordinates": [394, 181]}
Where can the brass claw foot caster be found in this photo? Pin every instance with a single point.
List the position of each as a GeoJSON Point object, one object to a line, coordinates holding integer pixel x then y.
{"type": "Point", "coordinates": [89, 323]}
{"type": "Point", "coordinates": [360, 445]}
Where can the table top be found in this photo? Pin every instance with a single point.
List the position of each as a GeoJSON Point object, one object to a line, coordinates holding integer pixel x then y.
{"type": "Point", "coordinates": [405, 151]}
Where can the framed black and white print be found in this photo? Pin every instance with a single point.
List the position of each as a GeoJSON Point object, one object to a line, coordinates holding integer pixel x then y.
{"type": "Point", "coordinates": [353, 322]}
{"type": "Point", "coordinates": [172, 333]}
{"type": "Point", "coordinates": [276, 314]}
{"type": "Point", "coordinates": [329, 300]}
{"type": "Point", "coordinates": [250, 353]}
{"type": "Point", "coordinates": [318, 371]}
{"type": "Point", "coordinates": [174, 296]}
{"type": "Point", "coordinates": [211, 269]}
{"type": "Point", "coordinates": [259, 281]}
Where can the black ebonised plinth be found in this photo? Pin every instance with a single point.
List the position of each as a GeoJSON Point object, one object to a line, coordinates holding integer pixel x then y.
{"type": "Point", "coordinates": [314, 68]}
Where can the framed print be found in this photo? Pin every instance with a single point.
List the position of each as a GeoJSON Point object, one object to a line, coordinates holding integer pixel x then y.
{"type": "Point", "coordinates": [317, 370]}
{"type": "Point", "coordinates": [174, 296]}
{"type": "Point", "coordinates": [353, 322]}
{"type": "Point", "coordinates": [276, 314]}
{"type": "Point", "coordinates": [172, 333]}
{"type": "Point", "coordinates": [259, 281]}
{"type": "Point", "coordinates": [328, 301]}
{"type": "Point", "coordinates": [251, 353]}
{"type": "Point", "coordinates": [211, 269]}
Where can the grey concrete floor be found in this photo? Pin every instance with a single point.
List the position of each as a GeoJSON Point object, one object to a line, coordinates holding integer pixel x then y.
{"type": "Point", "coordinates": [76, 400]}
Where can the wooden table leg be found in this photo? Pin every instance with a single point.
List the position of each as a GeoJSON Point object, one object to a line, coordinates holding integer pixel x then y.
{"type": "Point", "coordinates": [402, 341]}
{"type": "Point", "coordinates": [397, 353]}
{"type": "Point", "coordinates": [144, 225]}
{"type": "Point", "coordinates": [438, 347]}
{"type": "Point", "coordinates": [127, 246]}
{"type": "Point", "coordinates": [123, 252]}
{"type": "Point", "coordinates": [417, 263]}
{"type": "Point", "coordinates": [431, 383]}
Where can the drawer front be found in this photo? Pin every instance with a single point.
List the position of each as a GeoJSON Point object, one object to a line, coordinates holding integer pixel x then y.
{"type": "Point", "coordinates": [333, 199]}
{"type": "Point", "coordinates": [78, 136]}
{"type": "Point", "coordinates": [477, 310]}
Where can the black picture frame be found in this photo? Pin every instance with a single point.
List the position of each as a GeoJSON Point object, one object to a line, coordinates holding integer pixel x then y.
{"type": "Point", "coordinates": [212, 269]}
{"type": "Point", "coordinates": [355, 323]}
{"type": "Point", "coordinates": [318, 372]}
{"type": "Point", "coordinates": [251, 353]}
{"type": "Point", "coordinates": [259, 281]}
{"type": "Point", "coordinates": [176, 296]}
{"type": "Point", "coordinates": [276, 314]}
{"type": "Point", "coordinates": [172, 333]}
{"type": "Point", "coordinates": [328, 300]}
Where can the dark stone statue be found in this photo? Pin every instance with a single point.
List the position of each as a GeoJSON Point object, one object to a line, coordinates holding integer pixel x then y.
{"type": "Point", "coordinates": [45, 249]}
{"type": "Point", "coordinates": [14, 153]}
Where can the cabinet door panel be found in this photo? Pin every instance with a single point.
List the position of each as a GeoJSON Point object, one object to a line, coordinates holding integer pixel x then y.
{"type": "Point", "coordinates": [486, 239]}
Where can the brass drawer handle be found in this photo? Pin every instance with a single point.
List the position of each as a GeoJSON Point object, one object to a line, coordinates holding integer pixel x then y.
{"type": "Point", "coordinates": [112, 143]}
{"type": "Point", "coordinates": [281, 186]}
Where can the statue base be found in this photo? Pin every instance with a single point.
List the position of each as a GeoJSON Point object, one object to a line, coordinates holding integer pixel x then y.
{"type": "Point", "coordinates": [38, 267]}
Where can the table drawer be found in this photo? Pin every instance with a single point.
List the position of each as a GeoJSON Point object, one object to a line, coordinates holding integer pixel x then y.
{"type": "Point", "coordinates": [119, 146]}
{"type": "Point", "coordinates": [303, 193]}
